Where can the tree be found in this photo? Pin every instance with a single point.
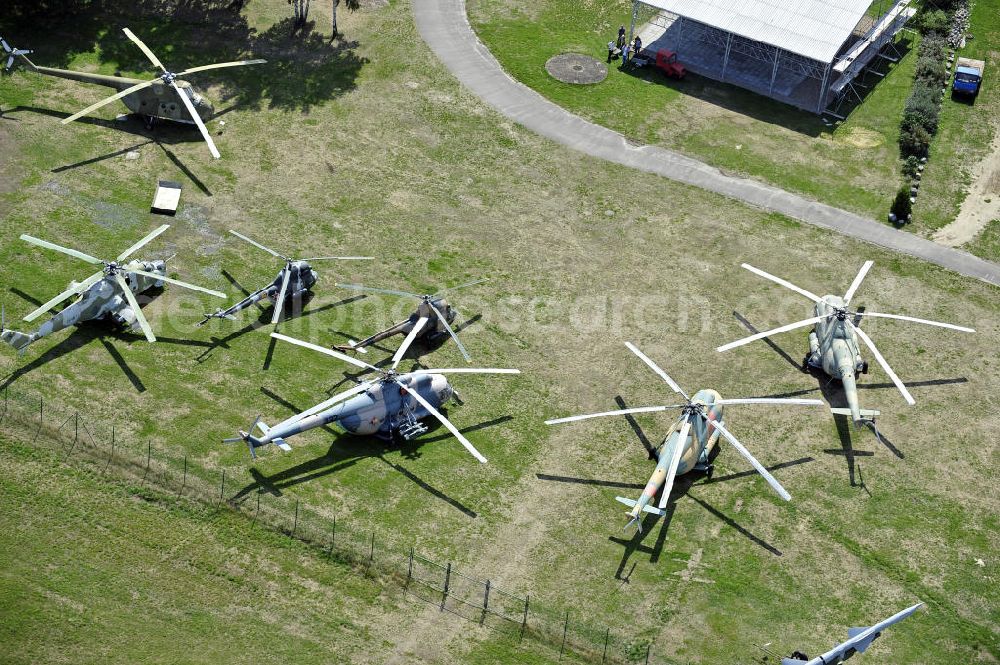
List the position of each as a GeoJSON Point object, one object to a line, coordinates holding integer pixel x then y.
{"type": "Point", "coordinates": [901, 206]}
{"type": "Point", "coordinates": [301, 9]}
{"type": "Point", "coordinates": [353, 5]}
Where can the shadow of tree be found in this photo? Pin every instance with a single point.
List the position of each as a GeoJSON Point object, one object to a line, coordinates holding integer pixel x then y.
{"type": "Point", "coordinates": [304, 68]}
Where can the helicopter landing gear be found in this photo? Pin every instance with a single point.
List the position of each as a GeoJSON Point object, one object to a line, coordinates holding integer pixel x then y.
{"type": "Point", "coordinates": [864, 367]}
{"type": "Point", "coordinates": [148, 121]}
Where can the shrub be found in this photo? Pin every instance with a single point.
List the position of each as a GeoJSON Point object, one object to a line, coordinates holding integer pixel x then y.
{"type": "Point", "coordinates": [914, 141]}
{"type": "Point", "coordinates": [931, 71]}
{"type": "Point", "coordinates": [922, 108]}
{"type": "Point", "coordinates": [910, 166]}
{"type": "Point", "coordinates": [901, 206]}
{"type": "Point", "coordinates": [933, 22]}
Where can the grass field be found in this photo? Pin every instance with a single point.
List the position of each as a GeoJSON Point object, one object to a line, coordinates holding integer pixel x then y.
{"type": "Point", "coordinates": [852, 164]}
{"type": "Point", "coordinates": [368, 146]}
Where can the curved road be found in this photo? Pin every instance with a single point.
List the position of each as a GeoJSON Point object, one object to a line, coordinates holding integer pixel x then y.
{"type": "Point", "coordinates": [444, 25]}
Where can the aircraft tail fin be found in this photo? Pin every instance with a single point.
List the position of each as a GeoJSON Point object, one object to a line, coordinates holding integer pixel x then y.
{"type": "Point", "coordinates": [865, 413]}
{"type": "Point", "coordinates": [18, 340]}
{"type": "Point", "coordinates": [631, 503]}
{"type": "Point", "coordinates": [13, 53]}
{"type": "Point", "coordinates": [253, 442]}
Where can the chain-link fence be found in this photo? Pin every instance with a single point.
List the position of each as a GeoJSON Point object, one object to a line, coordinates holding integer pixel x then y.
{"type": "Point", "coordinates": [99, 448]}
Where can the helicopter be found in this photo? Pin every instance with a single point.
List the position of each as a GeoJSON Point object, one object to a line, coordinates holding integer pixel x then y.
{"type": "Point", "coordinates": [859, 639]}
{"type": "Point", "coordinates": [107, 294]}
{"type": "Point", "coordinates": [394, 403]}
{"type": "Point", "coordinates": [166, 97]}
{"type": "Point", "coordinates": [833, 342]}
{"type": "Point", "coordinates": [432, 306]}
{"type": "Point", "coordinates": [296, 278]}
{"type": "Point", "coordinates": [690, 442]}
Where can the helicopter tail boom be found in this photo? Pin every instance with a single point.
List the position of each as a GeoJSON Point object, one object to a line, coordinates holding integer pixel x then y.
{"type": "Point", "coordinates": [18, 340]}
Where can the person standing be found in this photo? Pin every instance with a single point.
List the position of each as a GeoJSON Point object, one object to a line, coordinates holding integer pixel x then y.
{"type": "Point", "coordinates": [611, 51]}
{"type": "Point", "coordinates": [621, 36]}
{"type": "Point", "coordinates": [637, 46]}
{"type": "Point", "coordinates": [625, 54]}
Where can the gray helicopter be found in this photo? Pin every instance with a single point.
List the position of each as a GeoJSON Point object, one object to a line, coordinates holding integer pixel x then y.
{"type": "Point", "coordinates": [833, 343]}
{"type": "Point", "coordinates": [167, 96]}
{"type": "Point", "coordinates": [294, 280]}
{"type": "Point", "coordinates": [394, 403]}
{"type": "Point", "coordinates": [107, 294]}
{"type": "Point", "coordinates": [432, 307]}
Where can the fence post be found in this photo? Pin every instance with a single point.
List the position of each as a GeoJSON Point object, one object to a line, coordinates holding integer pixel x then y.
{"type": "Point", "coordinates": [524, 621]}
{"type": "Point", "coordinates": [295, 524]}
{"type": "Point", "coordinates": [447, 582]}
{"type": "Point", "coordinates": [112, 455]}
{"type": "Point", "coordinates": [565, 628]}
{"type": "Point", "coordinates": [76, 427]}
{"type": "Point", "coordinates": [333, 536]}
{"type": "Point", "coordinates": [185, 478]}
{"type": "Point", "coordinates": [149, 454]}
{"type": "Point", "coordinates": [486, 597]}
{"type": "Point", "coordinates": [6, 396]}
{"type": "Point", "coordinates": [647, 653]}
{"type": "Point", "coordinates": [222, 487]}
{"type": "Point", "coordinates": [41, 407]}
{"type": "Point", "coordinates": [607, 634]}
{"type": "Point", "coordinates": [371, 552]}
{"type": "Point", "coordinates": [409, 570]}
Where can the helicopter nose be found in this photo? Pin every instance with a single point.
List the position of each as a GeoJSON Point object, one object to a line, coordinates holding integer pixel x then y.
{"type": "Point", "coordinates": [206, 110]}
{"type": "Point", "coordinates": [441, 388]}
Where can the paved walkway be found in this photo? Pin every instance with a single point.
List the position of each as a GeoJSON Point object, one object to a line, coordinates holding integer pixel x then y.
{"type": "Point", "coordinates": [443, 24]}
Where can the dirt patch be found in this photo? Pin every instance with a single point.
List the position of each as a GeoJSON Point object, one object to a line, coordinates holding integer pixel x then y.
{"type": "Point", "coordinates": [862, 138]}
{"type": "Point", "coordinates": [9, 182]}
{"type": "Point", "coordinates": [981, 205]}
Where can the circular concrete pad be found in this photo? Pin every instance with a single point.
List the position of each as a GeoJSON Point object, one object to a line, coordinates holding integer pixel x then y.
{"type": "Point", "coordinates": [576, 68]}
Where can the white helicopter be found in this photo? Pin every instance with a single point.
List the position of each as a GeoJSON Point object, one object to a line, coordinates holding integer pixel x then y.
{"type": "Point", "coordinates": [833, 343]}
{"type": "Point", "coordinates": [691, 440]}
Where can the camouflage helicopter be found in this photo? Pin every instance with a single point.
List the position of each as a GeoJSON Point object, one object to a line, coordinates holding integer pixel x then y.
{"type": "Point", "coordinates": [691, 441]}
{"type": "Point", "coordinates": [432, 306]}
{"type": "Point", "coordinates": [296, 279]}
{"type": "Point", "coordinates": [394, 403]}
{"type": "Point", "coordinates": [107, 294]}
{"type": "Point", "coordinates": [859, 639]}
{"type": "Point", "coordinates": [833, 343]}
{"type": "Point", "coordinates": [166, 97]}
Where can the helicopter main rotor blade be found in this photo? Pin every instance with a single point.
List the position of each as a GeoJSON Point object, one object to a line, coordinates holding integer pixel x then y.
{"type": "Point", "coordinates": [329, 352]}
{"type": "Point", "coordinates": [59, 248]}
{"type": "Point", "coordinates": [220, 65]}
{"type": "Point", "coordinates": [279, 302]}
{"type": "Point", "coordinates": [258, 245]}
{"type": "Point", "coordinates": [124, 93]}
{"type": "Point", "coordinates": [193, 112]}
{"type": "Point", "coordinates": [324, 405]}
{"type": "Point", "coordinates": [339, 258]}
{"type": "Point", "coordinates": [656, 368]}
{"type": "Point", "coordinates": [882, 361]}
{"type": "Point", "coordinates": [619, 412]}
{"type": "Point", "coordinates": [444, 421]}
{"type": "Point", "coordinates": [767, 333]}
{"type": "Point", "coordinates": [360, 287]}
{"type": "Point", "coordinates": [412, 335]}
{"type": "Point", "coordinates": [750, 458]}
{"type": "Point", "coordinates": [176, 282]}
{"type": "Point", "coordinates": [785, 283]}
{"type": "Point", "coordinates": [140, 318]}
{"type": "Point", "coordinates": [443, 320]}
{"type": "Point", "coordinates": [770, 400]}
{"type": "Point", "coordinates": [916, 320]}
{"type": "Point", "coordinates": [668, 482]}
{"type": "Point", "coordinates": [142, 243]}
{"type": "Point", "coordinates": [145, 49]}
{"type": "Point", "coordinates": [465, 370]}
{"type": "Point", "coordinates": [857, 281]}
{"type": "Point", "coordinates": [72, 291]}
{"type": "Point", "coordinates": [462, 286]}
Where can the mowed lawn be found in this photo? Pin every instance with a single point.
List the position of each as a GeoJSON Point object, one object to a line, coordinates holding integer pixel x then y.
{"type": "Point", "coordinates": [369, 147]}
{"type": "Point", "coordinates": [852, 164]}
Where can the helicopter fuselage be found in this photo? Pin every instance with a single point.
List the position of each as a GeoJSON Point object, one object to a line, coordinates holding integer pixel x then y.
{"type": "Point", "coordinates": [433, 329]}
{"type": "Point", "coordinates": [384, 409]}
{"type": "Point", "coordinates": [698, 445]}
{"type": "Point", "coordinates": [103, 300]}
{"type": "Point", "coordinates": [302, 279]}
{"type": "Point", "coordinates": [157, 101]}
{"type": "Point", "coordinates": [833, 347]}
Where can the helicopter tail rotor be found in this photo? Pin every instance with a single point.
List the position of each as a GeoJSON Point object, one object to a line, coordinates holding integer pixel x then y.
{"type": "Point", "coordinates": [253, 442]}
{"type": "Point", "coordinates": [13, 53]}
